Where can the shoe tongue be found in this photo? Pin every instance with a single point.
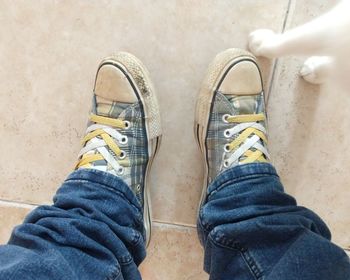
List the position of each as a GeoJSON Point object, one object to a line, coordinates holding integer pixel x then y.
{"type": "Point", "coordinates": [243, 105]}
{"type": "Point", "coordinates": [109, 108]}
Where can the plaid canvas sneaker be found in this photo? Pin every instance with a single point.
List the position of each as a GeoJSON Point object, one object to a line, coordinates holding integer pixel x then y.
{"type": "Point", "coordinates": [124, 131]}
{"type": "Point", "coordinates": [230, 120]}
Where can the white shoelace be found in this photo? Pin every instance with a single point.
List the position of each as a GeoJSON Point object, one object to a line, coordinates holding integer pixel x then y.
{"type": "Point", "coordinates": [101, 146]}
{"type": "Point", "coordinates": [248, 144]}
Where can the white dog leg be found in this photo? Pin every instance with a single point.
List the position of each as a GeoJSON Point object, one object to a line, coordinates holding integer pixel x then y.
{"type": "Point", "coordinates": [313, 38]}
{"type": "Point", "coordinates": [264, 42]}
{"type": "Point", "coordinates": [316, 69]}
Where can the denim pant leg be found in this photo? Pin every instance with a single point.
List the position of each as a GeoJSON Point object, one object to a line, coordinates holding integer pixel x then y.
{"type": "Point", "coordinates": [94, 230]}
{"type": "Point", "coordinates": [251, 229]}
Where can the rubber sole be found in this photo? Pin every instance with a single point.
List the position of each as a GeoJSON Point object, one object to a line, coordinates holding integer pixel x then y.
{"type": "Point", "coordinates": [215, 72]}
{"type": "Point", "coordinates": [142, 84]}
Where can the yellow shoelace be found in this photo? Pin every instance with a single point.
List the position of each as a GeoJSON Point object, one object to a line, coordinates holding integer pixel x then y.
{"type": "Point", "coordinates": [251, 156]}
{"type": "Point", "coordinates": [87, 159]}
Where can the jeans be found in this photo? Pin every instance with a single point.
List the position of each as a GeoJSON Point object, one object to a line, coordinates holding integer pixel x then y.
{"type": "Point", "coordinates": [249, 228]}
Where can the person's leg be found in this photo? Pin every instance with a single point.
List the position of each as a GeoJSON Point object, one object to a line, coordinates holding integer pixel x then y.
{"type": "Point", "coordinates": [248, 226]}
{"type": "Point", "coordinates": [99, 224]}
{"type": "Point", "coordinates": [251, 229]}
{"type": "Point", "coordinates": [94, 230]}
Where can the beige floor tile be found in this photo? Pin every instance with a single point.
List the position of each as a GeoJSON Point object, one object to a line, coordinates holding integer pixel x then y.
{"type": "Point", "coordinates": [11, 214]}
{"type": "Point", "coordinates": [174, 253]}
{"type": "Point", "coordinates": [49, 55]}
{"type": "Point", "coordinates": [309, 136]}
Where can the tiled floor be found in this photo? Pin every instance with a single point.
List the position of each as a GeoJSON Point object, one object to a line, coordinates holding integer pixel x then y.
{"type": "Point", "coordinates": [49, 54]}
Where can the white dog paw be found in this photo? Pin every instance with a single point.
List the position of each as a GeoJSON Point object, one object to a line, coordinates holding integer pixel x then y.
{"type": "Point", "coordinates": [263, 42]}
{"type": "Point", "coordinates": [316, 69]}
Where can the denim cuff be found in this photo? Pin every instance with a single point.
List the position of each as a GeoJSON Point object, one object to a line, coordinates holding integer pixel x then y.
{"type": "Point", "coordinates": [241, 172]}
{"type": "Point", "coordinates": [107, 181]}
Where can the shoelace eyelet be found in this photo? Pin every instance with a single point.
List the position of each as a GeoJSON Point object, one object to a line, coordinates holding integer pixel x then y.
{"type": "Point", "coordinates": [227, 148]}
{"type": "Point", "coordinates": [227, 133]}
{"type": "Point", "coordinates": [225, 117]}
{"type": "Point", "coordinates": [122, 155]}
{"type": "Point", "coordinates": [127, 124]}
{"type": "Point", "coordinates": [120, 171]}
{"type": "Point", "coordinates": [226, 163]}
{"type": "Point", "coordinates": [123, 140]}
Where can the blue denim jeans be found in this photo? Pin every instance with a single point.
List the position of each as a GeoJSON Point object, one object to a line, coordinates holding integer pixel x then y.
{"type": "Point", "coordinates": [249, 228]}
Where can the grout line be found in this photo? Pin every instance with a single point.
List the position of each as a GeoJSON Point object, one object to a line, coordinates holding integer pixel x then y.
{"type": "Point", "coordinates": [275, 62]}
{"type": "Point", "coordinates": [18, 204]}
{"type": "Point", "coordinates": [272, 79]}
{"type": "Point", "coordinates": [287, 16]}
{"type": "Point", "coordinates": [174, 225]}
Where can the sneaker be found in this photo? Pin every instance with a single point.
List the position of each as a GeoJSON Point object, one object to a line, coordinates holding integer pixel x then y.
{"type": "Point", "coordinates": [124, 131]}
{"type": "Point", "coordinates": [230, 121]}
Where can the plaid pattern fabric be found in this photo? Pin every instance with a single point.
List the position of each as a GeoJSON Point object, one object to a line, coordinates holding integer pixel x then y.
{"type": "Point", "coordinates": [216, 140]}
{"type": "Point", "coordinates": [136, 148]}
